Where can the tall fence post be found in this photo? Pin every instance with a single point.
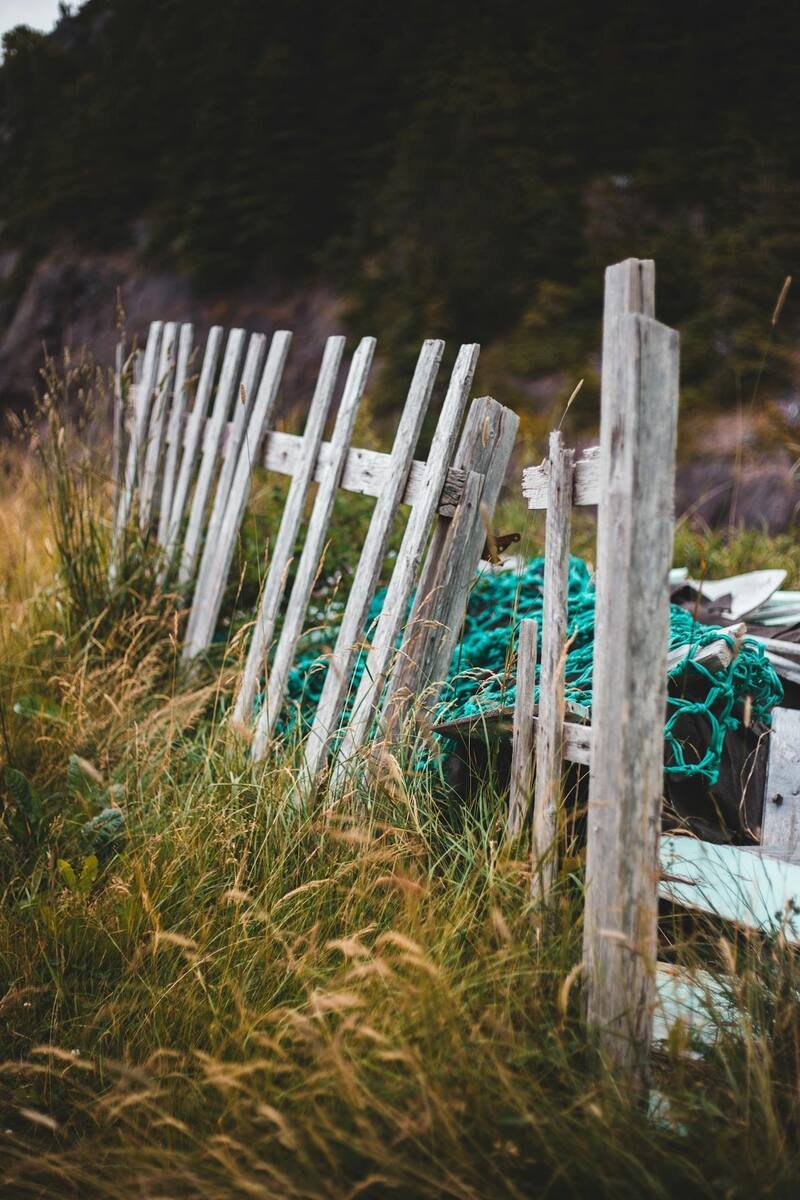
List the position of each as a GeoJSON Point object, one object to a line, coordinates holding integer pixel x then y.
{"type": "Point", "coordinates": [634, 549]}
{"type": "Point", "coordinates": [550, 732]}
{"type": "Point", "coordinates": [519, 796]}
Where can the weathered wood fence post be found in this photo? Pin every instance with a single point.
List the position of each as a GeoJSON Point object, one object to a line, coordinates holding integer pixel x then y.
{"type": "Point", "coordinates": [634, 548]}
{"type": "Point", "coordinates": [550, 734]}
{"type": "Point", "coordinates": [519, 797]}
{"type": "Point", "coordinates": [484, 451]}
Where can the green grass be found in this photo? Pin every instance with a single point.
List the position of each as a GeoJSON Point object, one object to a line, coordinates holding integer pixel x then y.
{"type": "Point", "coordinates": [239, 1000]}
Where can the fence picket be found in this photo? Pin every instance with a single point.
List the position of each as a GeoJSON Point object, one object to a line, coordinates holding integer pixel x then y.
{"type": "Point", "coordinates": [311, 555]}
{"type": "Point", "coordinates": [141, 413]}
{"type": "Point", "coordinates": [155, 429]}
{"type": "Point", "coordinates": [118, 427]}
{"type": "Point", "coordinates": [393, 612]}
{"type": "Point", "coordinates": [484, 450]}
{"type": "Point", "coordinates": [341, 663]}
{"type": "Point", "coordinates": [280, 553]}
{"type": "Point", "coordinates": [221, 539]}
{"type": "Point", "coordinates": [175, 431]}
{"type": "Point", "coordinates": [212, 434]}
{"type": "Point", "coordinates": [195, 425]}
{"type": "Point", "coordinates": [242, 406]}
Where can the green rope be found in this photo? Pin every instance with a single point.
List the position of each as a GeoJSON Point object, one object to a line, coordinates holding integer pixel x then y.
{"type": "Point", "coordinates": [483, 671]}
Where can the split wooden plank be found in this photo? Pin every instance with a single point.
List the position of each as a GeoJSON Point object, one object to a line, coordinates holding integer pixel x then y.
{"type": "Point", "coordinates": [630, 287]}
{"type": "Point", "coordinates": [175, 431]}
{"type": "Point", "coordinates": [351, 630]}
{"type": "Point", "coordinates": [585, 481]}
{"type": "Point", "coordinates": [281, 551]}
{"type": "Point", "coordinates": [780, 828]}
{"type": "Point", "coordinates": [206, 572]}
{"type": "Point", "coordinates": [226, 389]}
{"type": "Point", "coordinates": [155, 432]}
{"type": "Point", "coordinates": [313, 548]}
{"type": "Point", "coordinates": [383, 648]}
{"type": "Point", "coordinates": [520, 793]}
{"type": "Point", "coordinates": [549, 740]}
{"type": "Point", "coordinates": [365, 471]}
{"type": "Point", "coordinates": [749, 888]}
{"type": "Point", "coordinates": [635, 529]}
{"type": "Point", "coordinates": [484, 450]}
{"type": "Point", "coordinates": [221, 540]}
{"type": "Point", "coordinates": [143, 395]}
{"type": "Point", "coordinates": [716, 655]}
{"type": "Point", "coordinates": [195, 426]}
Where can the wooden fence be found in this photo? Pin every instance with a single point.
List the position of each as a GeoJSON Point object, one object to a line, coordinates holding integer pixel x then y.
{"type": "Point", "coordinates": [187, 474]}
{"type": "Point", "coordinates": [195, 469]}
{"type": "Point", "coordinates": [630, 478]}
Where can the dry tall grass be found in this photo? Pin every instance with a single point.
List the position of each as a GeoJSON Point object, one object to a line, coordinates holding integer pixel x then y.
{"type": "Point", "coordinates": [225, 999]}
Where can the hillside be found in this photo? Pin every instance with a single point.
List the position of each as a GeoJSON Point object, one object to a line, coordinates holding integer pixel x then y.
{"type": "Point", "coordinates": [458, 169]}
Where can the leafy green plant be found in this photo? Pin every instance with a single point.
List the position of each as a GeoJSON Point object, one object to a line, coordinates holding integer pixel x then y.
{"type": "Point", "coordinates": [79, 884]}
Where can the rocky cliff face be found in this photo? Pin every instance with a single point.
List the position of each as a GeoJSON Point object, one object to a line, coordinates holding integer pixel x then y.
{"type": "Point", "coordinates": [734, 467]}
{"type": "Point", "coordinates": [71, 300]}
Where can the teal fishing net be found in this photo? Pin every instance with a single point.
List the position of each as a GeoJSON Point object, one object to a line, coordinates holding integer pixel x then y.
{"type": "Point", "coordinates": [482, 673]}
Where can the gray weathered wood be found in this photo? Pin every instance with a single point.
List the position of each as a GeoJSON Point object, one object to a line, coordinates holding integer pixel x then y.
{"type": "Point", "coordinates": [549, 736]}
{"type": "Point", "coordinates": [635, 529]}
{"type": "Point", "coordinates": [222, 539]}
{"type": "Point", "coordinates": [212, 433]}
{"type": "Point", "coordinates": [207, 573]}
{"type": "Point", "coordinates": [780, 828]}
{"type": "Point", "coordinates": [311, 556]}
{"type": "Point", "coordinates": [383, 648]}
{"type": "Point", "coordinates": [520, 793]}
{"type": "Point", "coordinates": [195, 427]}
{"type": "Point", "coordinates": [280, 552]}
{"type": "Point", "coordinates": [351, 630]}
{"type": "Point", "coordinates": [484, 449]}
{"type": "Point", "coordinates": [585, 481]}
{"type": "Point", "coordinates": [365, 471]}
{"type": "Point", "coordinates": [242, 408]}
{"type": "Point", "coordinates": [175, 431]}
{"type": "Point", "coordinates": [118, 426]}
{"type": "Point", "coordinates": [141, 414]}
{"type": "Point", "coordinates": [630, 287]}
{"type": "Point", "coordinates": [155, 431]}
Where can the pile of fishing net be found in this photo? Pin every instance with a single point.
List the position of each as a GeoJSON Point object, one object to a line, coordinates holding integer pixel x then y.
{"type": "Point", "coordinates": [482, 672]}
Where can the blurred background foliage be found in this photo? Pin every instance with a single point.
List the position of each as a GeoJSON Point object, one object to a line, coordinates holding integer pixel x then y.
{"type": "Point", "coordinates": [458, 169]}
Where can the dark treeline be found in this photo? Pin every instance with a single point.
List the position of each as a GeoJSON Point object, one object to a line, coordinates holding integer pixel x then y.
{"type": "Point", "coordinates": [458, 167]}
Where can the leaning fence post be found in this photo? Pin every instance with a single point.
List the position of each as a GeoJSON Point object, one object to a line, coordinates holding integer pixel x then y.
{"type": "Point", "coordinates": [484, 450]}
{"type": "Point", "coordinates": [634, 549]}
{"type": "Point", "coordinates": [519, 797]}
{"type": "Point", "coordinates": [550, 731]}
